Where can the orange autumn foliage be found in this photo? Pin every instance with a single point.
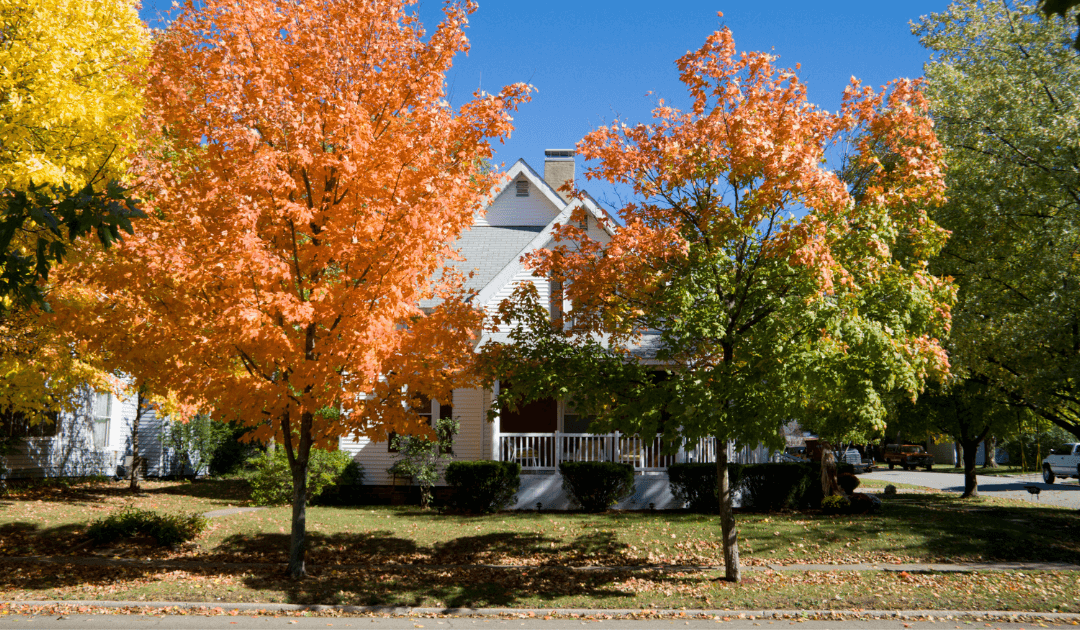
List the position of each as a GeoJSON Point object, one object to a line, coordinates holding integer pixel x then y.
{"type": "Point", "coordinates": [305, 179]}
{"type": "Point", "coordinates": [741, 177]}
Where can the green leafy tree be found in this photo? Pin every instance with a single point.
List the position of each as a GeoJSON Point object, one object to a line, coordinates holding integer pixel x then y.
{"type": "Point", "coordinates": [1004, 96]}
{"type": "Point", "coordinates": [967, 411]}
{"type": "Point", "coordinates": [765, 286]}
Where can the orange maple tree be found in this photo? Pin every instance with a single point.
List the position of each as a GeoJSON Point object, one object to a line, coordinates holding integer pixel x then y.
{"type": "Point", "coordinates": [305, 183]}
{"type": "Point", "coordinates": [770, 286]}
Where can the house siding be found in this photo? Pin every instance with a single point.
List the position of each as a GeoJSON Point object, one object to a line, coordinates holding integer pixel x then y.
{"type": "Point", "coordinates": [71, 452]}
{"type": "Point", "coordinates": [469, 442]}
{"type": "Point", "coordinates": [509, 209]}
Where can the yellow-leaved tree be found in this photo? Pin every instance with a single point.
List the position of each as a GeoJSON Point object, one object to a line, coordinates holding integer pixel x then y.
{"type": "Point", "coordinates": [70, 97]}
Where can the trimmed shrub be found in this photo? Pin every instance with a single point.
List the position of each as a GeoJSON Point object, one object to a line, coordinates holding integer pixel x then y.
{"type": "Point", "coordinates": [765, 487]}
{"type": "Point", "coordinates": [483, 487]}
{"type": "Point", "coordinates": [695, 486]}
{"type": "Point", "coordinates": [890, 490]}
{"type": "Point", "coordinates": [271, 478]}
{"type": "Point", "coordinates": [848, 482]}
{"type": "Point", "coordinates": [165, 529]}
{"type": "Point", "coordinates": [835, 504]}
{"type": "Point", "coordinates": [596, 486]}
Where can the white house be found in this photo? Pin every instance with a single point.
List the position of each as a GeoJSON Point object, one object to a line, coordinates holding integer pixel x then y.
{"type": "Point", "coordinates": [520, 219]}
{"type": "Point", "coordinates": [94, 440]}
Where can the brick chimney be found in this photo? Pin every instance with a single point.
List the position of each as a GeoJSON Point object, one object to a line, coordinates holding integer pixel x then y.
{"type": "Point", "coordinates": [559, 169]}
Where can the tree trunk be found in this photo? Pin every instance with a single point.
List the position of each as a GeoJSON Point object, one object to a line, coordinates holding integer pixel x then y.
{"type": "Point", "coordinates": [971, 484]}
{"type": "Point", "coordinates": [298, 464]}
{"type": "Point", "coordinates": [727, 517]}
{"type": "Point", "coordinates": [136, 461]}
{"type": "Point", "coordinates": [991, 452]}
{"type": "Point", "coordinates": [959, 454]}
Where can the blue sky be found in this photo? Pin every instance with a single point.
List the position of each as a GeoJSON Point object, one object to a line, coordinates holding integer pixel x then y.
{"type": "Point", "coordinates": [593, 61]}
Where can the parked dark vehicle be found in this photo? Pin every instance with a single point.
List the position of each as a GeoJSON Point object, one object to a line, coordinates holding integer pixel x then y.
{"type": "Point", "coordinates": [908, 457]}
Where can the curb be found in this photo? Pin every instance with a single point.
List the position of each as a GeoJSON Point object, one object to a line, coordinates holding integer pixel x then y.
{"type": "Point", "coordinates": [612, 613]}
{"type": "Point", "coordinates": [913, 567]}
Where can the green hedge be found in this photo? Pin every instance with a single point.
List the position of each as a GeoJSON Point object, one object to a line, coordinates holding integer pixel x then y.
{"type": "Point", "coordinates": [765, 487]}
{"type": "Point", "coordinates": [596, 486]}
{"type": "Point", "coordinates": [483, 487]}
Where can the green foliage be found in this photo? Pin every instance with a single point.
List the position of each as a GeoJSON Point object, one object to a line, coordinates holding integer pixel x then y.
{"type": "Point", "coordinates": [420, 458]}
{"type": "Point", "coordinates": [694, 485]}
{"type": "Point", "coordinates": [483, 487]}
{"type": "Point", "coordinates": [837, 503]}
{"type": "Point", "coordinates": [272, 482]}
{"type": "Point", "coordinates": [347, 489]}
{"type": "Point", "coordinates": [596, 486]}
{"type": "Point", "coordinates": [764, 487]}
{"type": "Point", "coordinates": [1005, 94]}
{"type": "Point", "coordinates": [193, 444]}
{"type": "Point", "coordinates": [1028, 449]}
{"type": "Point", "coordinates": [59, 216]}
{"type": "Point", "coordinates": [1062, 8]}
{"type": "Point", "coordinates": [165, 529]}
{"type": "Point", "coordinates": [231, 453]}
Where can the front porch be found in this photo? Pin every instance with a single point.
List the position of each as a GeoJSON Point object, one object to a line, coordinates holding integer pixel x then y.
{"type": "Point", "coordinates": [543, 452]}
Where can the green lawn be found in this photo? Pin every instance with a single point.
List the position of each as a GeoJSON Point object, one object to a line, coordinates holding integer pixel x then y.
{"type": "Point", "coordinates": [540, 548]}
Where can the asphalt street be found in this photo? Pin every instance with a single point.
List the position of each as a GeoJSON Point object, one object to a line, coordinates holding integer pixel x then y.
{"type": "Point", "coordinates": [1063, 492]}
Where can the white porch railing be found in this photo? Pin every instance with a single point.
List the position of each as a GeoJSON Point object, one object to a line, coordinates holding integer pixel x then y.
{"type": "Point", "coordinates": [544, 451]}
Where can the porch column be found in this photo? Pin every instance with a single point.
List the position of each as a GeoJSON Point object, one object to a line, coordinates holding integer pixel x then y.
{"type": "Point", "coordinates": [558, 450]}
{"type": "Point", "coordinates": [496, 455]}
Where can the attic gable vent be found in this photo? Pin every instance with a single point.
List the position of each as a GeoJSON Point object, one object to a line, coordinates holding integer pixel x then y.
{"type": "Point", "coordinates": [522, 187]}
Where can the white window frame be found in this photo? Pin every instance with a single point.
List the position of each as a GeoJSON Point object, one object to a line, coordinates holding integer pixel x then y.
{"type": "Point", "coordinates": [101, 417]}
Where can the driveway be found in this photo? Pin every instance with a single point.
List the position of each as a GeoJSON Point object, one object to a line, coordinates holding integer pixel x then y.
{"type": "Point", "coordinates": [1063, 492]}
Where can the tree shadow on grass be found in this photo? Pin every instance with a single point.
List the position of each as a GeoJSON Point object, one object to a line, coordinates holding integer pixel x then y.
{"type": "Point", "coordinates": [493, 548]}
{"type": "Point", "coordinates": [323, 549]}
{"type": "Point", "coordinates": [971, 530]}
{"type": "Point", "coordinates": [31, 539]}
{"type": "Point", "coordinates": [465, 587]}
{"type": "Point", "coordinates": [231, 491]}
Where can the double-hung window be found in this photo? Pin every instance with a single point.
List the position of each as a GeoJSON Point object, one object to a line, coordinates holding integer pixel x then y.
{"type": "Point", "coordinates": [102, 414]}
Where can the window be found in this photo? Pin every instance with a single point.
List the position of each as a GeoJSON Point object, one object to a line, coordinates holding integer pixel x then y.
{"type": "Point", "coordinates": [102, 415]}
{"type": "Point", "coordinates": [556, 298]}
{"type": "Point", "coordinates": [15, 424]}
{"type": "Point", "coordinates": [522, 187]}
{"type": "Point", "coordinates": [427, 410]}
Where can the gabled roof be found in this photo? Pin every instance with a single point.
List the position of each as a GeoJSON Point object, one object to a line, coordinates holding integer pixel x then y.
{"type": "Point", "coordinates": [517, 265]}
{"type": "Point", "coordinates": [493, 253]}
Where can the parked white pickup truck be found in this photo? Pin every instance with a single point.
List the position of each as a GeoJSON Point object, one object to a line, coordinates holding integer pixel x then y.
{"type": "Point", "coordinates": [1063, 461]}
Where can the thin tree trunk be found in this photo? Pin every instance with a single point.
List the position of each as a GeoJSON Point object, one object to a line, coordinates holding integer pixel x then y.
{"type": "Point", "coordinates": [298, 464]}
{"type": "Point", "coordinates": [971, 484]}
{"type": "Point", "coordinates": [135, 459]}
{"type": "Point", "coordinates": [991, 452]}
{"type": "Point", "coordinates": [727, 517]}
